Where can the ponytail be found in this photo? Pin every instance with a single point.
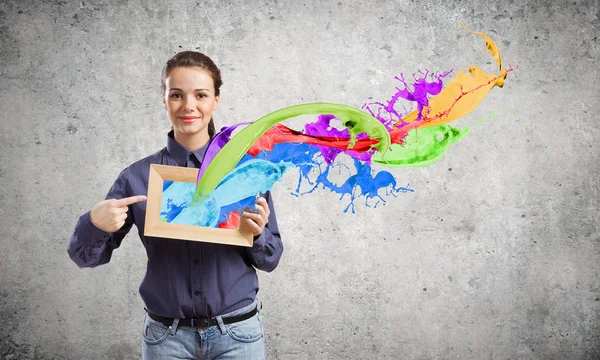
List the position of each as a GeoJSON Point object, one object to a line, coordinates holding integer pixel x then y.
{"type": "Point", "coordinates": [211, 128]}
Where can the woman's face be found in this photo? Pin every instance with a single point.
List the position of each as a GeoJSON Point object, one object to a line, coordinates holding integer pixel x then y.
{"type": "Point", "coordinates": [190, 100]}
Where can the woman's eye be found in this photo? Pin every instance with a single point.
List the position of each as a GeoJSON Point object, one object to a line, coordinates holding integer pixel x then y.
{"type": "Point", "coordinates": [174, 96]}
{"type": "Point", "coordinates": [201, 96]}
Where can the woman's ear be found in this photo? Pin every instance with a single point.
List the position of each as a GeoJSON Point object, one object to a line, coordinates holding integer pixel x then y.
{"type": "Point", "coordinates": [216, 104]}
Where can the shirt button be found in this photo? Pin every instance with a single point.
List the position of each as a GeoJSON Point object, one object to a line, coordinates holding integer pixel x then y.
{"type": "Point", "coordinates": [196, 262]}
{"type": "Point", "coordinates": [197, 293]}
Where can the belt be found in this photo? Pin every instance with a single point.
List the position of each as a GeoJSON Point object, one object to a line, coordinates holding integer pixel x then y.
{"type": "Point", "coordinates": [202, 323]}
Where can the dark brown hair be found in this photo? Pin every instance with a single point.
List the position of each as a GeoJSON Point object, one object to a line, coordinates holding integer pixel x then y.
{"type": "Point", "coordinates": [194, 59]}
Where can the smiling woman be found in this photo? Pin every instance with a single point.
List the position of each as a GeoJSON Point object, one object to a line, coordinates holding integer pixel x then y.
{"type": "Point", "coordinates": [190, 99]}
{"type": "Point", "coordinates": [200, 297]}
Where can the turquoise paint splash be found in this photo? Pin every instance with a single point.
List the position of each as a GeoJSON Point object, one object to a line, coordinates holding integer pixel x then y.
{"type": "Point", "coordinates": [245, 181]}
{"type": "Point", "coordinates": [176, 196]}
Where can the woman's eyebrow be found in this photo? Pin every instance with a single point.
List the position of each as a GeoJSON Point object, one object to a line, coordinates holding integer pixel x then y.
{"type": "Point", "coordinates": [178, 89]}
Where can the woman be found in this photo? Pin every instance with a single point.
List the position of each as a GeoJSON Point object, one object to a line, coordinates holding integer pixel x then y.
{"type": "Point", "coordinates": [200, 297]}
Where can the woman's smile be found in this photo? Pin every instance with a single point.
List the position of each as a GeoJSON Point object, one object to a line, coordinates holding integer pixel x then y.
{"type": "Point", "coordinates": [188, 119]}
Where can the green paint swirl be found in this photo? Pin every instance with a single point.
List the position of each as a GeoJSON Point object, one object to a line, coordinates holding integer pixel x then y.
{"type": "Point", "coordinates": [227, 158]}
{"type": "Point", "coordinates": [421, 147]}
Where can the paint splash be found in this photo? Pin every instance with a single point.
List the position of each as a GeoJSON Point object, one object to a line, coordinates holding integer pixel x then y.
{"type": "Point", "coordinates": [382, 135]}
{"type": "Point", "coordinates": [421, 147]}
{"type": "Point", "coordinates": [244, 182]}
{"type": "Point", "coordinates": [356, 121]}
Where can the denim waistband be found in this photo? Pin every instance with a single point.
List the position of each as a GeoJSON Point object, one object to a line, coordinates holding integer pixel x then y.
{"type": "Point", "coordinates": [243, 310]}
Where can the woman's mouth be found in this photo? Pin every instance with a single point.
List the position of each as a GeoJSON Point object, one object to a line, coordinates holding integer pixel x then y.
{"type": "Point", "coordinates": [188, 119]}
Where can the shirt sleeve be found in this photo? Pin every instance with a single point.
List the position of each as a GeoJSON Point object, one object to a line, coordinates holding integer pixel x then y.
{"type": "Point", "coordinates": [90, 246]}
{"type": "Point", "coordinates": [267, 247]}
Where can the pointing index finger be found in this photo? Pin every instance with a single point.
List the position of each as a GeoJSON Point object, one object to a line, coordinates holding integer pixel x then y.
{"type": "Point", "coordinates": [131, 200]}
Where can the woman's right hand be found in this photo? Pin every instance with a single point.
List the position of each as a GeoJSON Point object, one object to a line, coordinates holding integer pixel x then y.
{"type": "Point", "coordinates": [109, 215]}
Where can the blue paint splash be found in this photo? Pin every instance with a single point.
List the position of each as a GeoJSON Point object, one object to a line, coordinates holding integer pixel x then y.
{"type": "Point", "coordinates": [364, 182]}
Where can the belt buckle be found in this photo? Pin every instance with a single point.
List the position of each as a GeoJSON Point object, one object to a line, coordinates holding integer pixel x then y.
{"type": "Point", "coordinates": [199, 323]}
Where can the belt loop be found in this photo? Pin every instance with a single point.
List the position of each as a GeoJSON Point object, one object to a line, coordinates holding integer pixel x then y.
{"type": "Point", "coordinates": [221, 324]}
{"type": "Point", "coordinates": [173, 327]}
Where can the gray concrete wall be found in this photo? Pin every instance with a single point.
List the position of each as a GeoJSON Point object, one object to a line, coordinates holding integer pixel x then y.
{"type": "Point", "coordinates": [495, 255]}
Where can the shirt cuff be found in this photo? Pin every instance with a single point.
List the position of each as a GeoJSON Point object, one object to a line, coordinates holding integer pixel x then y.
{"type": "Point", "coordinates": [89, 234]}
{"type": "Point", "coordinates": [258, 248]}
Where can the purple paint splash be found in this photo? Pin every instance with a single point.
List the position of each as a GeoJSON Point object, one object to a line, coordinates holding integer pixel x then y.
{"type": "Point", "coordinates": [422, 91]}
{"type": "Point", "coordinates": [386, 113]}
{"type": "Point", "coordinates": [215, 144]}
{"type": "Point", "coordinates": [322, 127]}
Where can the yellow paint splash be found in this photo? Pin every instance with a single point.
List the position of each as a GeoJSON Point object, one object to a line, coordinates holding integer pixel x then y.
{"type": "Point", "coordinates": [462, 94]}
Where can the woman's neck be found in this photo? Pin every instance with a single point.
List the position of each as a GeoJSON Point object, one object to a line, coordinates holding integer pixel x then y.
{"type": "Point", "coordinates": [192, 142]}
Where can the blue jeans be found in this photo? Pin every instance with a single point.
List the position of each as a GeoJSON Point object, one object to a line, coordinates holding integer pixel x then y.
{"type": "Point", "coordinates": [240, 340]}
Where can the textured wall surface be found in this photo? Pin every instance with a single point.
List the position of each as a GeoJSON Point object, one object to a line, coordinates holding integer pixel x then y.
{"type": "Point", "coordinates": [494, 256]}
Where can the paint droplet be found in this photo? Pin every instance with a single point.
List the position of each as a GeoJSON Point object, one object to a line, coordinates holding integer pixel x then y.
{"type": "Point", "coordinates": [424, 289]}
{"type": "Point", "coordinates": [523, 215]}
{"type": "Point", "coordinates": [449, 169]}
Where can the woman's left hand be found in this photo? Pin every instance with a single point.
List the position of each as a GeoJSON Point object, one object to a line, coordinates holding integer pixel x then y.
{"type": "Point", "coordinates": [254, 222]}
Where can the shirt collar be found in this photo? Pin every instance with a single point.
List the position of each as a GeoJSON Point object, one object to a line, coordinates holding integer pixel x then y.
{"type": "Point", "coordinates": [180, 153]}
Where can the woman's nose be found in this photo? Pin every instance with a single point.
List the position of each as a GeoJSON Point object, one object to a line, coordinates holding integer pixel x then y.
{"type": "Point", "coordinates": [190, 104]}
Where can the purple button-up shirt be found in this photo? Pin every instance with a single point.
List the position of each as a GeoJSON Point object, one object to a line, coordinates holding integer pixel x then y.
{"type": "Point", "coordinates": [183, 279]}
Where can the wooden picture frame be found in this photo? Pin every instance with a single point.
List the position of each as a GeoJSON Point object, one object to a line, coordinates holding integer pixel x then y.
{"type": "Point", "coordinates": [154, 227]}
